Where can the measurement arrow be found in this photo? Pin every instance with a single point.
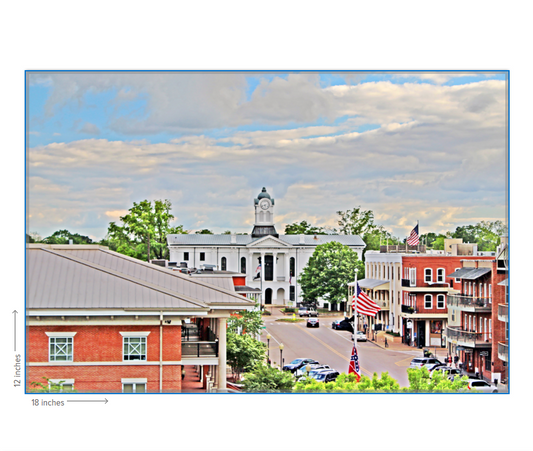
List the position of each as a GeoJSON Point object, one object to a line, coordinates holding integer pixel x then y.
{"type": "Point", "coordinates": [88, 400]}
{"type": "Point", "coordinates": [15, 329]}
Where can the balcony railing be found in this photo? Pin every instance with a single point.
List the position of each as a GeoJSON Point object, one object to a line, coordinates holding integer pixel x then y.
{"type": "Point", "coordinates": [503, 312]}
{"type": "Point", "coordinates": [469, 303]}
{"type": "Point", "coordinates": [469, 338]}
{"type": "Point", "coordinates": [199, 349]}
{"type": "Point", "coordinates": [503, 351]}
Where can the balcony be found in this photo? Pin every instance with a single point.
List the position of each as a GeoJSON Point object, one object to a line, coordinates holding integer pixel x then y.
{"type": "Point", "coordinates": [503, 351]}
{"type": "Point", "coordinates": [199, 349]}
{"type": "Point", "coordinates": [470, 303]}
{"type": "Point", "coordinates": [467, 338]}
{"type": "Point", "coordinates": [503, 312]}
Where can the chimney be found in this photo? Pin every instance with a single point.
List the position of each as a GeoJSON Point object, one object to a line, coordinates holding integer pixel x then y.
{"type": "Point", "coordinates": [233, 238]}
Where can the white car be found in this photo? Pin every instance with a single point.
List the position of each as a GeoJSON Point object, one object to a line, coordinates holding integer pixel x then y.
{"type": "Point", "coordinates": [360, 336]}
{"type": "Point", "coordinates": [481, 386]}
{"type": "Point", "coordinates": [303, 370]}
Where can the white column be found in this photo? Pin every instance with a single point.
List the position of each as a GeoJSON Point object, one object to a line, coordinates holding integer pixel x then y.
{"type": "Point", "coordinates": [222, 354]}
{"type": "Point", "coordinates": [287, 267]}
{"type": "Point", "coordinates": [262, 266]}
{"type": "Point", "coordinates": [274, 268]}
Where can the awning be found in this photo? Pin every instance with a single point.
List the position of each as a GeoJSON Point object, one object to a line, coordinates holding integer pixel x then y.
{"type": "Point", "coordinates": [374, 284]}
{"type": "Point", "coordinates": [469, 273]}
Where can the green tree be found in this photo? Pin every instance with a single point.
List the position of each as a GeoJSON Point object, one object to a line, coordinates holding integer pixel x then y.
{"type": "Point", "coordinates": [377, 237]}
{"type": "Point", "coordinates": [303, 228]}
{"type": "Point", "coordinates": [420, 381]}
{"type": "Point", "coordinates": [64, 237]}
{"type": "Point", "coordinates": [266, 379]}
{"type": "Point", "coordinates": [328, 272]}
{"type": "Point", "coordinates": [47, 386]}
{"type": "Point", "coordinates": [144, 230]}
{"type": "Point", "coordinates": [204, 232]}
{"type": "Point", "coordinates": [243, 352]}
{"type": "Point", "coordinates": [356, 222]}
{"type": "Point", "coordinates": [246, 322]}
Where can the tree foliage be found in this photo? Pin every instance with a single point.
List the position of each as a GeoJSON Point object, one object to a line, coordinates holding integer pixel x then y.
{"type": "Point", "coordinates": [144, 230]}
{"type": "Point", "coordinates": [304, 228]}
{"type": "Point", "coordinates": [356, 222]}
{"type": "Point", "coordinates": [420, 381]}
{"type": "Point", "coordinates": [64, 237]}
{"type": "Point", "coordinates": [246, 322]}
{"type": "Point", "coordinates": [266, 379]}
{"type": "Point", "coordinates": [243, 352]}
{"type": "Point", "coordinates": [486, 234]}
{"type": "Point", "coordinates": [328, 272]}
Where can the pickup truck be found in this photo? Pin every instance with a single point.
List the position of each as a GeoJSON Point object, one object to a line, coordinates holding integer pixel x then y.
{"type": "Point", "coordinates": [304, 311]}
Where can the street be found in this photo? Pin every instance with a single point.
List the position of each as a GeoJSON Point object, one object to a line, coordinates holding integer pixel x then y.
{"type": "Point", "coordinates": [333, 348]}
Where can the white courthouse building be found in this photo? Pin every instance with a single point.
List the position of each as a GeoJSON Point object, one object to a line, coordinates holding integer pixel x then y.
{"type": "Point", "coordinates": [271, 262]}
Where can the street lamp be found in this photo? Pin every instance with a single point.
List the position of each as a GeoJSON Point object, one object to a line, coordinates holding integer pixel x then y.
{"type": "Point", "coordinates": [268, 346]}
{"type": "Point", "coordinates": [281, 354]}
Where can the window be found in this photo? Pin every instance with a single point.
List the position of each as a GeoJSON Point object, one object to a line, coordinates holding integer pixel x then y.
{"type": "Point", "coordinates": [490, 328]}
{"type": "Point", "coordinates": [292, 266]}
{"type": "Point", "coordinates": [134, 385]}
{"type": "Point", "coordinates": [412, 277]}
{"type": "Point", "coordinates": [490, 293]}
{"type": "Point", "coordinates": [428, 275]}
{"type": "Point", "coordinates": [440, 301]}
{"type": "Point", "coordinates": [428, 301]}
{"type": "Point", "coordinates": [61, 346]}
{"type": "Point", "coordinates": [292, 293]}
{"type": "Point", "coordinates": [61, 385]}
{"type": "Point", "coordinates": [440, 275]}
{"type": "Point", "coordinates": [243, 265]}
{"type": "Point", "coordinates": [457, 280]}
{"type": "Point", "coordinates": [134, 345]}
{"type": "Point", "coordinates": [223, 264]}
{"type": "Point", "coordinates": [186, 256]}
{"type": "Point", "coordinates": [202, 256]}
{"type": "Point", "coordinates": [453, 314]}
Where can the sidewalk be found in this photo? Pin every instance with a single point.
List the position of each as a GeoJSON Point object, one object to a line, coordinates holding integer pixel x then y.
{"type": "Point", "coordinates": [437, 351]}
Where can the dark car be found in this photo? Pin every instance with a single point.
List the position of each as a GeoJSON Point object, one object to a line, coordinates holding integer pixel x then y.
{"type": "Point", "coordinates": [343, 324]}
{"type": "Point", "coordinates": [313, 322]}
{"type": "Point", "coordinates": [298, 363]}
{"type": "Point", "coordinates": [326, 376]}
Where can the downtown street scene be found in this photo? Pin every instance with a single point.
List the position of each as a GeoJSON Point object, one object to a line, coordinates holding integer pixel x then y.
{"type": "Point", "coordinates": [267, 232]}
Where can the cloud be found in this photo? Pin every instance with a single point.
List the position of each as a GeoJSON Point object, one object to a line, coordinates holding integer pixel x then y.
{"type": "Point", "coordinates": [89, 129]}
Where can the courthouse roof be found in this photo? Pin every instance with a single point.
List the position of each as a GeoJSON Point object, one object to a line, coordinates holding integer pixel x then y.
{"type": "Point", "coordinates": [93, 277]}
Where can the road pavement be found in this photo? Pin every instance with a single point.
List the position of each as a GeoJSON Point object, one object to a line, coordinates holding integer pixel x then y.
{"type": "Point", "coordinates": [334, 347]}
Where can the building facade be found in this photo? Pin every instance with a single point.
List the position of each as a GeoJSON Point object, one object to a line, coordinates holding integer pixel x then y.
{"type": "Point", "coordinates": [270, 261]}
{"type": "Point", "coordinates": [101, 322]}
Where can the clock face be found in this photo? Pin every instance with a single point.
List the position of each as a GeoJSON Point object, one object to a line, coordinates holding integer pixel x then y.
{"type": "Point", "coordinates": [264, 204]}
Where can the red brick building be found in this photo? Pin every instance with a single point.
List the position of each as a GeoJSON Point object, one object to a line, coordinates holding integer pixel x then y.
{"type": "Point", "coordinates": [479, 332]}
{"type": "Point", "coordinates": [100, 322]}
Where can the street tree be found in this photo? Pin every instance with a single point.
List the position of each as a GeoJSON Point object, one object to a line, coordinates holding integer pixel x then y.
{"type": "Point", "coordinates": [144, 230]}
{"type": "Point", "coordinates": [243, 352]}
{"type": "Point", "coordinates": [246, 322]}
{"type": "Point", "coordinates": [328, 272]}
{"type": "Point", "coordinates": [205, 232]}
{"type": "Point", "coordinates": [267, 379]}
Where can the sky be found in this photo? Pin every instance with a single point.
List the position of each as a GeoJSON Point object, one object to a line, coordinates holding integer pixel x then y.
{"type": "Point", "coordinates": [409, 145]}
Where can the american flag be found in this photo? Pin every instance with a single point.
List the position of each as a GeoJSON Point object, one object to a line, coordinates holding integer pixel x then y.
{"type": "Point", "coordinates": [354, 364]}
{"type": "Point", "coordinates": [413, 239]}
{"type": "Point", "coordinates": [365, 305]}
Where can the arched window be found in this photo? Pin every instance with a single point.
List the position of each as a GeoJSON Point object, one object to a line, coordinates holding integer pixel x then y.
{"type": "Point", "coordinates": [440, 301]}
{"type": "Point", "coordinates": [428, 275]}
{"type": "Point", "coordinates": [292, 266]}
{"type": "Point", "coordinates": [223, 264]}
{"type": "Point", "coordinates": [243, 265]}
{"type": "Point", "coordinates": [440, 275]}
{"type": "Point", "coordinates": [428, 301]}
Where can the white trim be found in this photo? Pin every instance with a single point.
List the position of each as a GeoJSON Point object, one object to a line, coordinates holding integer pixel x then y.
{"type": "Point", "coordinates": [114, 363]}
{"type": "Point", "coordinates": [443, 303]}
{"type": "Point", "coordinates": [134, 334]}
{"type": "Point", "coordinates": [61, 334]}
{"type": "Point", "coordinates": [130, 312]}
{"type": "Point", "coordinates": [430, 275]}
{"type": "Point", "coordinates": [65, 381]}
{"type": "Point", "coordinates": [431, 306]}
{"type": "Point", "coordinates": [134, 380]}
{"type": "Point", "coordinates": [443, 278]}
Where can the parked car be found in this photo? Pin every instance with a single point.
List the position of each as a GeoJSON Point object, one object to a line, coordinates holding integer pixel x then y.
{"type": "Point", "coordinates": [313, 322]}
{"type": "Point", "coordinates": [326, 376]}
{"type": "Point", "coordinates": [298, 363]}
{"type": "Point", "coordinates": [360, 336]}
{"type": "Point", "coordinates": [305, 311]}
{"type": "Point", "coordinates": [313, 368]}
{"type": "Point", "coordinates": [343, 324]}
{"type": "Point", "coordinates": [481, 386]}
{"type": "Point", "coordinates": [428, 362]}
{"type": "Point", "coordinates": [446, 370]}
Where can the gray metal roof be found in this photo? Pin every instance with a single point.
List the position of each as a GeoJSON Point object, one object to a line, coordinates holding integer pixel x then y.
{"type": "Point", "coordinates": [94, 277]}
{"type": "Point", "coordinates": [243, 240]}
{"type": "Point", "coordinates": [371, 283]}
{"type": "Point", "coordinates": [469, 273]}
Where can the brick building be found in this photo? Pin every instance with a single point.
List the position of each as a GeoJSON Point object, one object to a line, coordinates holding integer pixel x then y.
{"type": "Point", "coordinates": [103, 322]}
{"type": "Point", "coordinates": [479, 332]}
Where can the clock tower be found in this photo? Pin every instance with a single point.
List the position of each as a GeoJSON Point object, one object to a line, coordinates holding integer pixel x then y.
{"type": "Point", "coordinates": [264, 216]}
